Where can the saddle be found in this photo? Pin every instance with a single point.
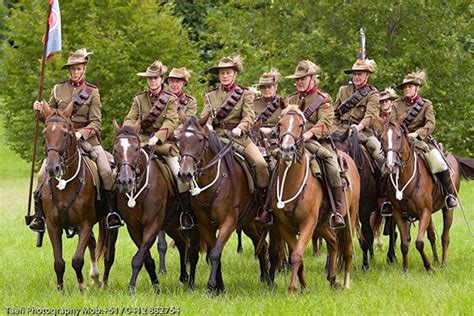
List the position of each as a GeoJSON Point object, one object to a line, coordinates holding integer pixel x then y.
{"type": "Point", "coordinates": [166, 172]}
{"type": "Point", "coordinates": [249, 170]}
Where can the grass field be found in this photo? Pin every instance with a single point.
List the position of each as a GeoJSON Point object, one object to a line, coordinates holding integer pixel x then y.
{"type": "Point", "coordinates": [28, 279]}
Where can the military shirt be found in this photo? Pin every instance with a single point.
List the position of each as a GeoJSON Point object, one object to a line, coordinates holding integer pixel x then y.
{"type": "Point", "coordinates": [88, 118]}
{"type": "Point", "coordinates": [164, 125]}
{"type": "Point", "coordinates": [366, 112]}
{"type": "Point", "coordinates": [424, 122]}
{"type": "Point", "coordinates": [260, 105]}
{"type": "Point", "coordinates": [187, 106]}
{"type": "Point", "coordinates": [319, 123]}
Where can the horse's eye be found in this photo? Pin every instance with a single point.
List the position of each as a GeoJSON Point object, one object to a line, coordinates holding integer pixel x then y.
{"type": "Point", "coordinates": [200, 140]}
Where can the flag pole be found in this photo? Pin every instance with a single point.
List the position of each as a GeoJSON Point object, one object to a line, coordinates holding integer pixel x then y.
{"type": "Point", "coordinates": [28, 216]}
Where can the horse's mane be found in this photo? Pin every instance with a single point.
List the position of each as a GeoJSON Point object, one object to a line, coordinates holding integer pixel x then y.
{"type": "Point", "coordinates": [128, 131]}
{"type": "Point", "coordinates": [292, 108]}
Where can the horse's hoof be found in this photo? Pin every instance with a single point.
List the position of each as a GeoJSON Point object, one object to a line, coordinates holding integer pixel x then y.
{"type": "Point", "coordinates": [61, 288]}
{"type": "Point", "coordinates": [336, 285]}
{"type": "Point", "coordinates": [184, 279]}
{"type": "Point", "coordinates": [103, 287]}
{"type": "Point", "coordinates": [365, 267]}
{"type": "Point", "coordinates": [391, 259]}
{"type": "Point", "coordinates": [443, 264]}
{"type": "Point", "coordinates": [430, 269]}
{"type": "Point", "coordinates": [132, 290]}
{"type": "Point", "coordinates": [163, 271]}
{"type": "Point", "coordinates": [156, 288]}
{"type": "Point", "coordinates": [82, 287]}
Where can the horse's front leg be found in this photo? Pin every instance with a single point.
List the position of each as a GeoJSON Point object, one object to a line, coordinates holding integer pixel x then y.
{"type": "Point", "coordinates": [94, 271]}
{"type": "Point", "coordinates": [162, 246]}
{"type": "Point", "coordinates": [404, 237]}
{"type": "Point", "coordinates": [216, 283]}
{"type": "Point", "coordinates": [432, 238]}
{"type": "Point", "coordinates": [251, 231]}
{"type": "Point", "coordinates": [306, 228]}
{"type": "Point", "coordinates": [148, 239]}
{"type": "Point", "coordinates": [85, 233]}
{"type": "Point", "coordinates": [109, 256]}
{"type": "Point", "coordinates": [425, 220]}
{"type": "Point", "coordinates": [55, 235]}
{"type": "Point", "coordinates": [447, 221]}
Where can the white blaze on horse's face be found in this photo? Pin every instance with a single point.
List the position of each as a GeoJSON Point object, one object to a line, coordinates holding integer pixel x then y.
{"type": "Point", "coordinates": [54, 127]}
{"type": "Point", "coordinates": [125, 144]}
{"type": "Point", "coordinates": [390, 163]}
{"type": "Point", "coordinates": [291, 122]}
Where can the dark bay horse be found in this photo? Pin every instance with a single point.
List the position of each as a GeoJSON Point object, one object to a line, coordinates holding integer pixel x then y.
{"type": "Point", "coordinates": [69, 197]}
{"type": "Point", "coordinates": [146, 206]}
{"type": "Point", "coordinates": [221, 195]}
{"type": "Point", "coordinates": [299, 202]}
{"type": "Point", "coordinates": [368, 204]}
{"type": "Point", "coordinates": [413, 191]}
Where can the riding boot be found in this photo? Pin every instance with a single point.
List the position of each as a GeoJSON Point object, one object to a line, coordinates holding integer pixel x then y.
{"type": "Point", "coordinates": [450, 200]}
{"type": "Point", "coordinates": [113, 219]}
{"type": "Point", "coordinates": [336, 220]}
{"type": "Point", "coordinates": [266, 217]}
{"type": "Point", "coordinates": [38, 222]}
{"type": "Point", "coordinates": [186, 220]}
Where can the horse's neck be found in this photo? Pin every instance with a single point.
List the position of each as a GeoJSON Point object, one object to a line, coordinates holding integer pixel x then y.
{"type": "Point", "coordinates": [295, 173]}
{"type": "Point", "coordinates": [407, 161]}
{"type": "Point", "coordinates": [209, 174]}
{"type": "Point", "coordinates": [73, 163]}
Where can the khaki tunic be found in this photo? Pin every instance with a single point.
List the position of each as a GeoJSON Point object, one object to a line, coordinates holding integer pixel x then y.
{"type": "Point", "coordinates": [164, 125]}
{"type": "Point", "coordinates": [242, 114]}
{"type": "Point", "coordinates": [365, 112]}
{"type": "Point", "coordinates": [259, 105]}
{"type": "Point", "coordinates": [187, 105]}
{"type": "Point", "coordinates": [89, 115]}
{"type": "Point", "coordinates": [321, 120]}
{"type": "Point", "coordinates": [424, 122]}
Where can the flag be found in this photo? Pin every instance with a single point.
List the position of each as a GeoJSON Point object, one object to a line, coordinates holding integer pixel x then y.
{"type": "Point", "coordinates": [53, 46]}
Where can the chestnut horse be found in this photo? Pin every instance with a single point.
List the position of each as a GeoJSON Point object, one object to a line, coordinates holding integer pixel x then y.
{"type": "Point", "coordinates": [69, 197]}
{"type": "Point", "coordinates": [370, 177]}
{"type": "Point", "coordinates": [419, 194]}
{"type": "Point", "coordinates": [299, 202]}
{"type": "Point", "coordinates": [221, 199]}
{"type": "Point", "coordinates": [145, 204]}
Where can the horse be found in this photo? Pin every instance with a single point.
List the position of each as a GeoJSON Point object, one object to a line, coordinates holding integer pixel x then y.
{"type": "Point", "coordinates": [146, 206]}
{"type": "Point", "coordinates": [414, 192]}
{"type": "Point", "coordinates": [349, 143]}
{"type": "Point", "coordinates": [299, 202]}
{"type": "Point", "coordinates": [69, 198]}
{"type": "Point", "coordinates": [221, 199]}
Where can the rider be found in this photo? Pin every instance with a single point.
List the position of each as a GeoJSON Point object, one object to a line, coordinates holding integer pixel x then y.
{"type": "Point", "coordinates": [419, 118]}
{"type": "Point", "coordinates": [319, 113]}
{"type": "Point", "coordinates": [357, 106]}
{"type": "Point", "coordinates": [230, 108]}
{"type": "Point", "coordinates": [157, 110]}
{"type": "Point", "coordinates": [267, 107]}
{"type": "Point", "coordinates": [87, 119]}
{"type": "Point", "coordinates": [177, 79]}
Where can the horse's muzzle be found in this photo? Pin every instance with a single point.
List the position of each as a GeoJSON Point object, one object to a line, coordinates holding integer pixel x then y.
{"type": "Point", "coordinates": [125, 183]}
{"type": "Point", "coordinates": [185, 176]}
{"type": "Point", "coordinates": [288, 152]}
{"type": "Point", "coordinates": [54, 169]}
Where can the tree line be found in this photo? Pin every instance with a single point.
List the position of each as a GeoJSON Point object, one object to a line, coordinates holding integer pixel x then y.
{"type": "Point", "coordinates": [126, 36]}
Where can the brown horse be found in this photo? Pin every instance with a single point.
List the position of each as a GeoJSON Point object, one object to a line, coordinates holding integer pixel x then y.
{"type": "Point", "coordinates": [221, 197]}
{"type": "Point", "coordinates": [301, 205]}
{"type": "Point", "coordinates": [413, 191]}
{"type": "Point", "coordinates": [146, 206]}
{"type": "Point", "coordinates": [69, 197]}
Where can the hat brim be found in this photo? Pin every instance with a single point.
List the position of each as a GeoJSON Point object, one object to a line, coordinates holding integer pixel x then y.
{"type": "Point", "coordinates": [302, 75]}
{"type": "Point", "coordinates": [73, 64]}
{"type": "Point", "coordinates": [168, 77]}
{"type": "Point", "coordinates": [148, 75]}
{"type": "Point", "coordinates": [350, 71]}
{"type": "Point", "coordinates": [400, 86]}
{"type": "Point", "coordinates": [215, 70]}
{"type": "Point", "coordinates": [388, 98]}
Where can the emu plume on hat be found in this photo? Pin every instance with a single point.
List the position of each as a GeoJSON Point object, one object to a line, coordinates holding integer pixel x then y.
{"type": "Point", "coordinates": [179, 73]}
{"type": "Point", "coordinates": [417, 78]}
{"type": "Point", "coordinates": [269, 78]}
{"type": "Point", "coordinates": [234, 62]}
{"type": "Point", "coordinates": [388, 94]}
{"type": "Point", "coordinates": [305, 68]}
{"type": "Point", "coordinates": [367, 65]}
{"type": "Point", "coordinates": [80, 56]}
{"type": "Point", "coordinates": [156, 69]}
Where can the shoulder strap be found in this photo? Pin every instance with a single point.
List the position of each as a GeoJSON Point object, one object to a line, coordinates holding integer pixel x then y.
{"type": "Point", "coordinates": [353, 100]}
{"type": "Point", "coordinates": [269, 109]}
{"type": "Point", "coordinates": [413, 112]}
{"type": "Point", "coordinates": [81, 97]}
{"type": "Point", "coordinates": [155, 111]}
{"type": "Point", "coordinates": [309, 111]}
{"type": "Point", "coordinates": [228, 105]}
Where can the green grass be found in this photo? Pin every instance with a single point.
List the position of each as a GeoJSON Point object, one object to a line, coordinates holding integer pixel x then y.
{"type": "Point", "coordinates": [28, 277]}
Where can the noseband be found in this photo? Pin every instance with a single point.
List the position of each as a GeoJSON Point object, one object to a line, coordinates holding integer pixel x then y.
{"type": "Point", "coordinates": [63, 152]}
{"type": "Point", "coordinates": [197, 159]}
{"type": "Point", "coordinates": [125, 162]}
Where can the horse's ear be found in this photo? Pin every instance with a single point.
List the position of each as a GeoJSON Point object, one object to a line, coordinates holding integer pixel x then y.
{"type": "Point", "coordinates": [204, 119]}
{"type": "Point", "coordinates": [116, 126]}
{"type": "Point", "coordinates": [283, 103]}
{"type": "Point", "coordinates": [46, 109]}
{"type": "Point", "coordinates": [68, 110]}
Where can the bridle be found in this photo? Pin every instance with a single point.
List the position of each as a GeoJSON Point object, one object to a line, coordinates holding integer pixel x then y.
{"type": "Point", "coordinates": [65, 160]}
{"type": "Point", "coordinates": [299, 141]}
{"type": "Point", "coordinates": [134, 164]}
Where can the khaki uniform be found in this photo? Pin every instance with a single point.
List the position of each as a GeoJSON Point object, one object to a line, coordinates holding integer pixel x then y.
{"type": "Point", "coordinates": [320, 124]}
{"type": "Point", "coordinates": [187, 105]}
{"type": "Point", "coordinates": [242, 115]}
{"type": "Point", "coordinates": [366, 112]}
{"type": "Point", "coordinates": [423, 125]}
{"type": "Point", "coordinates": [259, 105]}
{"type": "Point", "coordinates": [87, 121]}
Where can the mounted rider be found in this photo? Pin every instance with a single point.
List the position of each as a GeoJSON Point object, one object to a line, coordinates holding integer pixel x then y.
{"type": "Point", "coordinates": [177, 80]}
{"type": "Point", "coordinates": [419, 118]}
{"type": "Point", "coordinates": [157, 110]}
{"type": "Point", "coordinates": [230, 108]}
{"type": "Point", "coordinates": [87, 119]}
{"type": "Point", "coordinates": [319, 113]}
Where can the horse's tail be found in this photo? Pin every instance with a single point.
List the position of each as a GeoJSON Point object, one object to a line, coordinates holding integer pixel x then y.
{"type": "Point", "coordinates": [103, 238]}
{"type": "Point", "coordinates": [467, 167]}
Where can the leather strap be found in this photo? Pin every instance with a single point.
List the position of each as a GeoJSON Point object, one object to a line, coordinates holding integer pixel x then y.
{"type": "Point", "coordinates": [269, 109]}
{"type": "Point", "coordinates": [228, 105]}
{"type": "Point", "coordinates": [79, 99]}
{"type": "Point", "coordinates": [414, 110]}
{"type": "Point", "coordinates": [155, 111]}
{"type": "Point", "coordinates": [309, 111]}
{"type": "Point", "coordinates": [353, 100]}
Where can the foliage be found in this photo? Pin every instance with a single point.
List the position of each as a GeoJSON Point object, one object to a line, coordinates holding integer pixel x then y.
{"type": "Point", "coordinates": [126, 37]}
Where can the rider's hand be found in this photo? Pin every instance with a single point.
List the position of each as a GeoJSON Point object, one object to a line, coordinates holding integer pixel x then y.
{"type": "Point", "coordinates": [152, 141]}
{"type": "Point", "coordinates": [359, 127]}
{"type": "Point", "coordinates": [413, 135]}
{"type": "Point", "coordinates": [38, 106]}
{"type": "Point", "coordinates": [308, 135]}
{"type": "Point", "coordinates": [78, 135]}
{"type": "Point", "coordinates": [267, 131]}
{"type": "Point", "coordinates": [237, 132]}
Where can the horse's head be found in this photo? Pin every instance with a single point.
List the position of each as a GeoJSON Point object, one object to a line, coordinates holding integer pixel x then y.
{"type": "Point", "coordinates": [59, 139]}
{"type": "Point", "coordinates": [126, 153]}
{"type": "Point", "coordinates": [192, 144]}
{"type": "Point", "coordinates": [290, 132]}
{"type": "Point", "coordinates": [393, 139]}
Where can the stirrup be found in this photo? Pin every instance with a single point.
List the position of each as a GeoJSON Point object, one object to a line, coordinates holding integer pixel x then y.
{"type": "Point", "coordinates": [182, 221]}
{"type": "Point", "coordinates": [387, 205]}
{"type": "Point", "coordinates": [31, 219]}
{"type": "Point", "coordinates": [109, 227]}
{"type": "Point", "coordinates": [446, 201]}
{"type": "Point", "coordinates": [332, 223]}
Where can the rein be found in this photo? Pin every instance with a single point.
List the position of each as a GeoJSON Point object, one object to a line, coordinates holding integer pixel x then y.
{"type": "Point", "coordinates": [281, 203]}
{"type": "Point", "coordinates": [132, 198]}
